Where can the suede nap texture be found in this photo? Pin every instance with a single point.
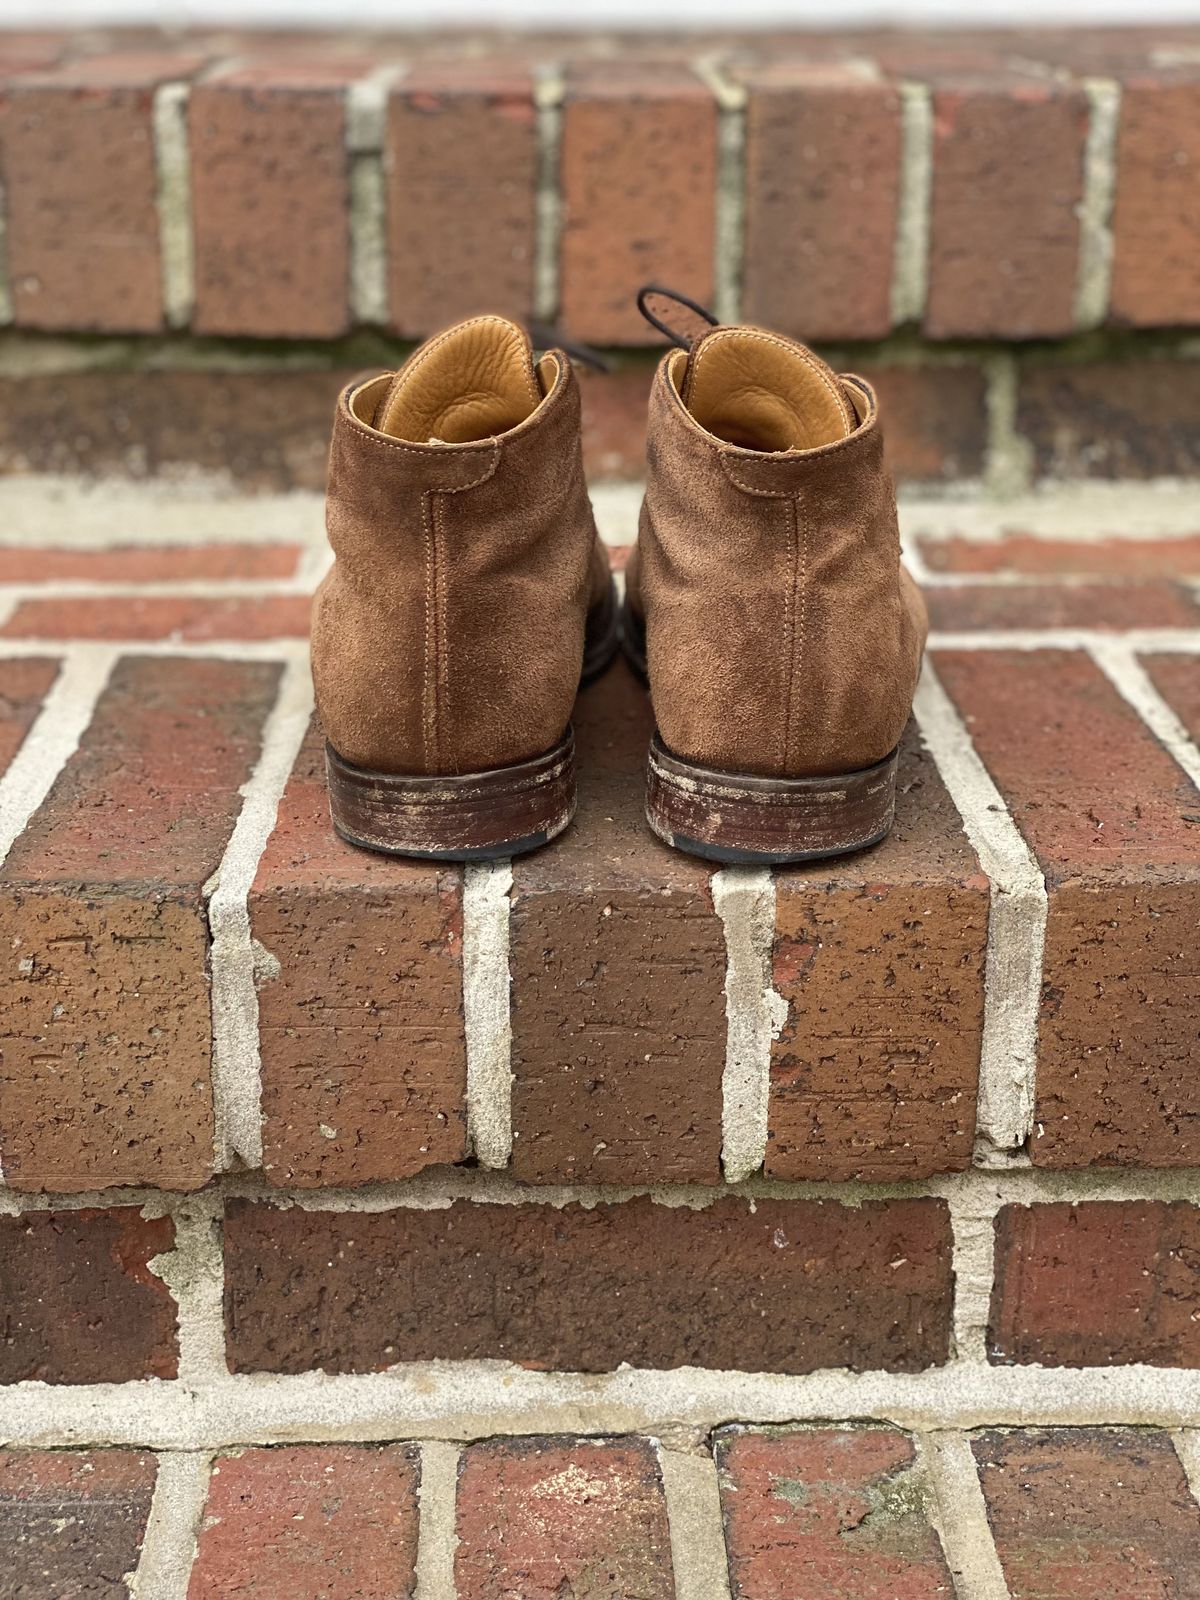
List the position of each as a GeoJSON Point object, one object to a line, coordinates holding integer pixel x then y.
{"type": "Point", "coordinates": [783, 637]}
{"type": "Point", "coordinates": [447, 638]}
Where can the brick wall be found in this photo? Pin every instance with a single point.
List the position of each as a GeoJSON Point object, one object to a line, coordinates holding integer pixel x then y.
{"type": "Point", "coordinates": [834, 187]}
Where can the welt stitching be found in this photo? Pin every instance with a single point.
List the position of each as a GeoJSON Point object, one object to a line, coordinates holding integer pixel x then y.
{"type": "Point", "coordinates": [429, 689]}
{"type": "Point", "coordinates": [442, 678]}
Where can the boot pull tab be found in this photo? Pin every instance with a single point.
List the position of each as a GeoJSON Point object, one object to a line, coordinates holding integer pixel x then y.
{"type": "Point", "coordinates": [684, 339]}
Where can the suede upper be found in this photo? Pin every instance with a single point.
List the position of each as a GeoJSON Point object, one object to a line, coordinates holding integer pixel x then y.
{"type": "Point", "coordinates": [448, 635]}
{"type": "Point", "coordinates": [783, 637]}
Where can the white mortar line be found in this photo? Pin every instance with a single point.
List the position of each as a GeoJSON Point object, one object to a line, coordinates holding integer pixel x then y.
{"type": "Point", "coordinates": [437, 1539]}
{"type": "Point", "coordinates": [485, 1399]}
{"type": "Point", "coordinates": [910, 258]}
{"type": "Point", "coordinates": [156, 589]}
{"type": "Point", "coordinates": [729, 205]}
{"type": "Point", "coordinates": [51, 741]}
{"type": "Point", "coordinates": [961, 1519]}
{"type": "Point", "coordinates": [744, 899]}
{"type": "Point", "coordinates": [549, 89]}
{"type": "Point", "coordinates": [237, 1079]}
{"type": "Point", "coordinates": [1095, 208]}
{"type": "Point", "coordinates": [1009, 456]}
{"type": "Point", "coordinates": [1080, 514]}
{"type": "Point", "coordinates": [1129, 678]}
{"type": "Point", "coordinates": [973, 1226]}
{"type": "Point", "coordinates": [1187, 1448]}
{"type": "Point", "coordinates": [366, 129]}
{"type": "Point", "coordinates": [171, 155]}
{"type": "Point", "coordinates": [97, 651]}
{"type": "Point", "coordinates": [6, 305]}
{"type": "Point", "coordinates": [169, 1548]}
{"type": "Point", "coordinates": [698, 1551]}
{"type": "Point", "coordinates": [486, 983]}
{"type": "Point", "coordinates": [1143, 641]}
{"type": "Point", "coordinates": [1016, 922]}
{"type": "Point", "coordinates": [194, 1272]}
{"type": "Point", "coordinates": [977, 1191]}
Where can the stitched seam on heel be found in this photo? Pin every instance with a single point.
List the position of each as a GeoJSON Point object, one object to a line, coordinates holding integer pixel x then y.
{"type": "Point", "coordinates": [429, 694]}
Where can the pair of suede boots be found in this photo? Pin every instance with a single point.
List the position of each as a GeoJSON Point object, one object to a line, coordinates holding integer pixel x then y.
{"type": "Point", "coordinates": [470, 596]}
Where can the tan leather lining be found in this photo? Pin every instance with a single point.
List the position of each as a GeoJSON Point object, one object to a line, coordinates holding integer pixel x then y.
{"type": "Point", "coordinates": [762, 392]}
{"type": "Point", "coordinates": [474, 382]}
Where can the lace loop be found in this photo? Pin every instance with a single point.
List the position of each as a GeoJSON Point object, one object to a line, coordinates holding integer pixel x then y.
{"type": "Point", "coordinates": [675, 335]}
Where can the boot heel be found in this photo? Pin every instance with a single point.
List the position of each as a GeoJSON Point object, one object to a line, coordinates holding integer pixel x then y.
{"type": "Point", "coordinates": [478, 816]}
{"type": "Point", "coordinates": [746, 820]}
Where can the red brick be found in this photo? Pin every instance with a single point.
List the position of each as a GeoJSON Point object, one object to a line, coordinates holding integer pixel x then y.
{"type": "Point", "coordinates": [614, 416]}
{"type": "Point", "coordinates": [547, 1518]}
{"type": "Point", "coordinates": [880, 961]}
{"type": "Point", "coordinates": [1156, 209]}
{"type": "Point", "coordinates": [170, 563]}
{"type": "Point", "coordinates": [1104, 809]}
{"type": "Point", "coordinates": [105, 1028]}
{"type": "Point", "coordinates": [822, 188]}
{"type": "Point", "coordinates": [462, 167]}
{"type": "Point", "coordinates": [1007, 179]}
{"type": "Point", "coordinates": [81, 1304]}
{"type": "Point", "coordinates": [186, 618]}
{"type": "Point", "coordinates": [24, 687]}
{"type": "Point", "coordinates": [72, 1524]}
{"type": "Point", "coordinates": [78, 167]}
{"type": "Point", "coordinates": [1112, 419]}
{"type": "Point", "coordinates": [764, 1285]}
{"type": "Point", "coordinates": [1177, 679]}
{"type": "Point", "coordinates": [259, 429]}
{"type": "Point", "coordinates": [1110, 606]}
{"type": "Point", "coordinates": [361, 1021]}
{"type": "Point", "coordinates": [639, 173]}
{"type": "Point", "coordinates": [618, 965]}
{"type": "Point", "coordinates": [934, 420]}
{"type": "Point", "coordinates": [1090, 1511]}
{"type": "Point", "coordinates": [1032, 555]}
{"type": "Point", "coordinates": [832, 1513]}
{"type": "Point", "coordinates": [336, 1520]}
{"type": "Point", "coordinates": [1098, 1284]}
{"type": "Point", "coordinates": [270, 203]}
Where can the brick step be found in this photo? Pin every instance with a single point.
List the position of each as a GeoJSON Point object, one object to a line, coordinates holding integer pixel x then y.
{"type": "Point", "coordinates": [203, 976]}
{"type": "Point", "coordinates": [850, 1512]}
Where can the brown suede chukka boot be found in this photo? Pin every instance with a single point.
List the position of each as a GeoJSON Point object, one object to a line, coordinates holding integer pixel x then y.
{"type": "Point", "coordinates": [469, 595]}
{"type": "Point", "coordinates": [782, 637]}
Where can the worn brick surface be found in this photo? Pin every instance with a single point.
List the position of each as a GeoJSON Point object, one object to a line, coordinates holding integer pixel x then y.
{"type": "Point", "coordinates": [187, 618]}
{"type": "Point", "coordinates": [337, 1521]}
{"type": "Point", "coordinates": [24, 685]}
{"type": "Point", "coordinates": [880, 961]}
{"type": "Point", "coordinates": [934, 419]}
{"type": "Point", "coordinates": [71, 1524]}
{"type": "Point", "coordinates": [1156, 208]}
{"type": "Point", "coordinates": [1031, 555]}
{"type": "Point", "coordinates": [360, 1000]}
{"type": "Point", "coordinates": [822, 186]}
{"type": "Point", "coordinates": [1097, 1284]}
{"type": "Point", "coordinates": [1153, 603]}
{"type": "Point", "coordinates": [265, 430]}
{"type": "Point", "coordinates": [1004, 233]}
{"type": "Point", "coordinates": [773, 1285]}
{"type": "Point", "coordinates": [461, 164]}
{"type": "Point", "coordinates": [270, 202]}
{"type": "Point", "coordinates": [80, 1302]}
{"type": "Point", "coordinates": [163, 563]}
{"type": "Point", "coordinates": [1177, 679]}
{"type": "Point", "coordinates": [1090, 1511]}
{"type": "Point", "coordinates": [614, 415]}
{"type": "Point", "coordinates": [618, 965]}
{"type": "Point", "coordinates": [638, 176]}
{"type": "Point", "coordinates": [1105, 809]}
{"type": "Point", "coordinates": [830, 1513]}
{"type": "Point", "coordinates": [78, 168]}
{"type": "Point", "coordinates": [105, 1028]}
{"type": "Point", "coordinates": [1129, 419]}
{"type": "Point", "coordinates": [547, 1518]}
